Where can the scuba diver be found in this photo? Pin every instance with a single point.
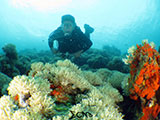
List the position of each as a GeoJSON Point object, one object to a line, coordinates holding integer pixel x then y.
{"type": "Point", "coordinates": [69, 39]}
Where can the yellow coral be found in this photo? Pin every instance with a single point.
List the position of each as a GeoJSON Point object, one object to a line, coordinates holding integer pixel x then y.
{"type": "Point", "coordinates": [131, 49]}
{"type": "Point", "coordinates": [27, 114]}
{"type": "Point", "coordinates": [111, 92]}
{"type": "Point", "coordinates": [68, 64]}
{"type": "Point", "coordinates": [29, 92]}
{"type": "Point", "coordinates": [97, 107]}
{"type": "Point", "coordinates": [100, 104]}
{"type": "Point", "coordinates": [65, 76]}
{"type": "Point", "coordinates": [32, 94]}
{"type": "Point", "coordinates": [7, 107]}
{"type": "Point", "coordinates": [42, 104]}
{"type": "Point", "coordinates": [23, 85]}
{"type": "Point", "coordinates": [92, 78]}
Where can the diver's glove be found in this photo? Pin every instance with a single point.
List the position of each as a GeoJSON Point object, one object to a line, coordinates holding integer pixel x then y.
{"type": "Point", "coordinates": [88, 29]}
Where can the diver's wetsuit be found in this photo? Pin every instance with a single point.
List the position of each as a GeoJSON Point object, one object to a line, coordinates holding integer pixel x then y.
{"type": "Point", "coordinates": [75, 42]}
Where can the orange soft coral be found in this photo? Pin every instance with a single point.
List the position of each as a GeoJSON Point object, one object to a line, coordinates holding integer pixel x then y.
{"type": "Point", "coordinates": [16, 97]}
{"type": "Point", "coordinates": [150, 112]}
{"type": "Point", "coordinates": [59, 93]}
{"type": "Point", "coordinates": [144, 78]}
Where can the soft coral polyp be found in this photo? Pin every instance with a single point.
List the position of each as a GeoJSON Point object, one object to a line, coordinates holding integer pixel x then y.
{"type": "Point", "coordinates": [145, 79]}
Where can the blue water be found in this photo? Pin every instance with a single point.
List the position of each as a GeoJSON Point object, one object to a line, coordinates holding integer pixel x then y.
{"type": "Point", "coordinates": [116, 22]}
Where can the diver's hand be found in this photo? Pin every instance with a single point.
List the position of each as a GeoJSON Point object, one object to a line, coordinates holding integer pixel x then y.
{"type": "Point", "coordinates": [54, 51]}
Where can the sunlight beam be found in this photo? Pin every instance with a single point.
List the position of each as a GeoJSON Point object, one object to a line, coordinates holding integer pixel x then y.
{"type": "Point", "coordinates": [41, 5]}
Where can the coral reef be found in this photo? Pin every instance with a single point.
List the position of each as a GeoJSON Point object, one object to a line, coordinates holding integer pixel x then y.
{"type": "Point", "coordinates": [144, 81]}
{"type": "Point", "coordinates": [117, 64]}
{"type": "Point", "coordinates": [23, 64]}
{"type": "Point", "coordinates": [9, 111]}
{"type": "Point", "coordinates": [115, 78]}
{"type": "Point", "coordinates": [10, 51]}
{"type": "Point", "coordinates": [111, 50]}
{"type": "Point", "coordinates": [90, 60]}
{"type": "Point", "coordinates": [11, 64]}
{"type": "Point", "coordinates": [105, 58]}
{"type": "Point", "coordinates": [97, 61]}
{"type": "Point", "coordinates": [8, 61]}
{"type": "Point", "coordinates": [4, 81]}
{"type": "Point", "coordinates": [60, 91]}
